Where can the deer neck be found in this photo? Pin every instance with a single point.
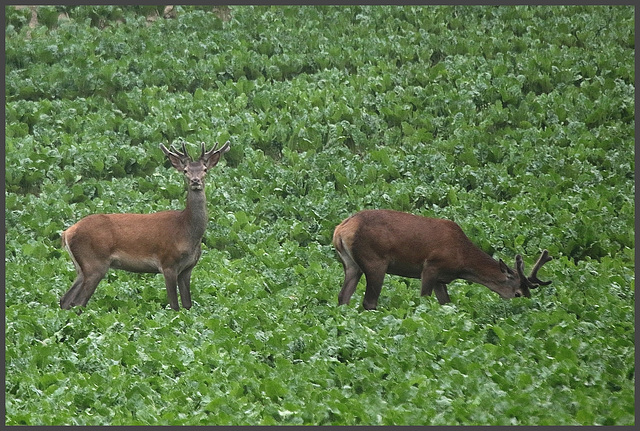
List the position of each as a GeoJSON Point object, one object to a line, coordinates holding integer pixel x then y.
{"type": "Point", "coordinates": [195, 214]}
{"type": "Point", "coordinates": [483, 268]}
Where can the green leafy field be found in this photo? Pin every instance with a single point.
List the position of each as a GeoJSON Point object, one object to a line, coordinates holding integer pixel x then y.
{"type": "Point", "coordinates": [516, 122]}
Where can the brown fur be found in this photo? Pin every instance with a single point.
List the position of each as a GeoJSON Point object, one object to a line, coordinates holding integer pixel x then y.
{"type": "Point", "coordinates": [166, 242]}
{"type": "Point", "coordinates": [379, 242]}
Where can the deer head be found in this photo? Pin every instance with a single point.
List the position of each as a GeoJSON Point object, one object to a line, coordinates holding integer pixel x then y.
{"type": "Point", "coordinates": [196, 170]}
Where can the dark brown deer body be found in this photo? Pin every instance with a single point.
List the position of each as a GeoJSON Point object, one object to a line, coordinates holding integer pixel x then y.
{"type": "Point", "coordinates": [379, 242]}
{"type": "Point", "coordinates": [166, 242]}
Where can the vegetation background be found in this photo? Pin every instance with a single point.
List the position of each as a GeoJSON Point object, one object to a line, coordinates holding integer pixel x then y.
{"type": "Point", "coordinates": [517, 122]}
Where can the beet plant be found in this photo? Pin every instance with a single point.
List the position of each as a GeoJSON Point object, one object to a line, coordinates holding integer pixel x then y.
{"type": "Point", "coordinates": [516, 122]}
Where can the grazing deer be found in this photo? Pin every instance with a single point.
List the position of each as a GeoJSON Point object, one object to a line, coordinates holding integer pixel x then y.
{"type": "Point", "coordinates": [379, 242]}
{"type": "Point", "coordinates": [166, 242]}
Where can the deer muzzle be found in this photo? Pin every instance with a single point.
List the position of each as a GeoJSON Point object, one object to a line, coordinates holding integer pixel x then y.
{"type": "Point", "coordinates": [196, 184]}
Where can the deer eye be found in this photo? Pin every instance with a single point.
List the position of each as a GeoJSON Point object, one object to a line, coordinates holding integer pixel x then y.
{"type": "Point", "coordinates": [184, 170]}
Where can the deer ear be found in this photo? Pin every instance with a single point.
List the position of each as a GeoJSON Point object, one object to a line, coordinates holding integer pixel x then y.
{"type": "Point", "coordinates": [504, 268]}
{"type": "Point", "coordinates": [211, 161]}
{"type": "Point", "coordinates": [213, 156]}
{"type": "Point", "coordinates": [175, 159]}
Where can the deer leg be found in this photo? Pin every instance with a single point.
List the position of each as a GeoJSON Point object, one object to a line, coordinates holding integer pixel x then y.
{"type": "Point", "coordinates": [442, 294]}
{"type": "Point", "coordinates": [374, 277]}
{"type": "Point", "coordinates": [351, 278]}
{"type": "Point", "coordinates": [88, 286]}
{"type": "Point", "coordinates": [184, 284]}
{"type": "Point", "coordinates": [171, 283]}
{"type": "Point", "coordinates": [352, 274]}
{"type": "Point", "coordinates": [429, 279]}
{"type": "Point", "coordinates": [67, 299]}
{"type": "Point", "coordinates": [430, 283]}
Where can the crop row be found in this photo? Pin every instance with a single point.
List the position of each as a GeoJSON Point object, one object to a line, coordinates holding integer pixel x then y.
{"type": "Point", "coordinates": [516, 122]}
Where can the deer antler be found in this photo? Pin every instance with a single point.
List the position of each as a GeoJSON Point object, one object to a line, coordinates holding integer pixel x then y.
{"type": "Point", "coordinates": [212, 151]}
{"type": "Point", "coordinates": [533, 281]}
{"type": "Point", "coordinates": [544, 258]}
{"type": "Point", "coordinates": [184, 154]}
{"type": "Point", "coordinates": [178, 160]}
{"type": "Point", "coordinates": [172, 150]}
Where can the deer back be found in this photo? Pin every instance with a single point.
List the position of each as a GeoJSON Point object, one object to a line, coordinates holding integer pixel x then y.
{"type": "Point", "coordinates": [400, 237]}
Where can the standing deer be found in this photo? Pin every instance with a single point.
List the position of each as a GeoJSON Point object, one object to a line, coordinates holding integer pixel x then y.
{"type": "Point", "coordinates": [166, 242]}
{"type": "Point", "coordinates": [379, 242]}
